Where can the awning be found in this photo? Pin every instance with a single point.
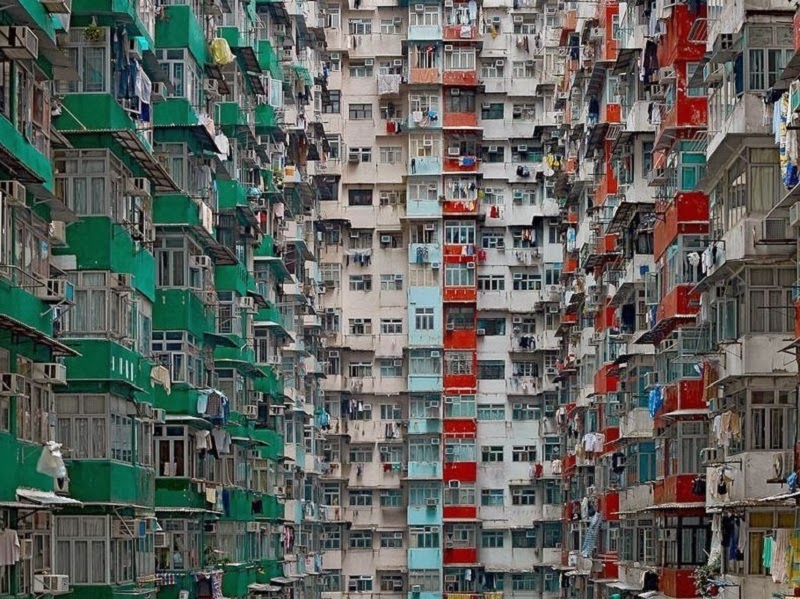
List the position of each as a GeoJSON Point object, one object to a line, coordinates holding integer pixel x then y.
{"type": "Point", "coordinates": [190, 420]}
{"type": "Point", "coordinates": [16, 327]}
{"type": "Point", "coordinates": [687, 412]}
{"type": "Point", "coordinates": [263, 588]}
{"type": "Point", "coordinates": [282, 580]}
{"type": "Point", "coordinates": [624, 586]}
{"type": "Point", "coordinates": [46, 498]}
{"type": "Point", "coordinates": [692, 505]}
{"type": "Point", "coordinates": [133, 144]}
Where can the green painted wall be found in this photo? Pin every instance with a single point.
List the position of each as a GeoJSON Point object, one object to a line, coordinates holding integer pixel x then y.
{"type": "Point", "coordinates": [115, 482]}
{"type": "Point", "coordinates": [21, 471]}
{"type": "Point", "coordinates": [179, 28]}
{"type": "Point", "coordinates": [181, 309]}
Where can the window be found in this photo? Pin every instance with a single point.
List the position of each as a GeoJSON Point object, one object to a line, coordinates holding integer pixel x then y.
{"type": "Point", "coordinates": [492, 326]}
{"type": "Point", "coordinates": [769, 295]}
{"type": "Point", "coordinates": [331, 581]}
{"type": "Point", "coordinates": [391, 155]}
{"type": "Point", "coordinates": [491, 370]}
{"type": "Point", "coordinates": [764, 66]}
{"type": "Point", "coordinates": [492, 453]}
{"type": "Point", "coordinates": [82, 548]}
{"type": "Point", "coordinates": [359, 26]}
{"type": "Point", "coordinates": [361, 453]}
{"type": "Point", "coordinates": [523, 453]}
{"type": "Point", "coordinates": [360, 498]}
{"type": "Point", "coordinates": [360, 326]}
{"type": "Point", "coordinates": [522, 69]}
{"type": "Point", "coordinates": [182, 553]}
{"type": "Point", "coordinates": [552, 492]}
{"type": "Point", "coordinates": [430, 16]}
{"type": "Point", "coordinates": [523, 496]}
{"type": "Point", "coordinates": [335, 153]}
{"type": "Point", "coordinates": [491, 283]}
{"type": "Point", "coordinates": [457, 363]}
{"type": "Point", "coordinates": [760, 525]}
{"type": "Point", "coordinates": [459, 406]}
{"type": "Point", "coordinates": [332, 537]}
{"type": "Point", "coordinates": [493, 111]}
{"type": "Point", "coordinates": [332, 104]}
{"type": "Point", "coordinates": [391, 412]}
{"type": "Point", "coordinates": [460, 59]}
{"type": "Point", "coordinates": [424, 537]}
{"type": "Point", "coordinates": [459, 275]}
{"type": "Point", "coordinates": [522, 582]}
{"type": "Point", "coordinates": [390, 26]}
{"type": "Point", "coordinates": [427, 580]}
{"type": "Point", "coordinates": [527, 281]}
{"type": "Point", "coordinates": [359, 197]}
{"type": "Point", "coordinates": [391, 326]}
{"type": "Point", "coordinates": [423, 319]}
{"type": "Point", "coordinates": [423, 450]}
{"type": "Point", "coordinates": [360, 282]}
{"type": "Point", "coordinates": [491, 497]}
{"type": "Point", "coordinates": [425, 362]}
{"type": "Point", "coordinates": [360, 584]}
{"type": "Point", "coordinates": [360, 112]}
{"type": "Point", "coordinates": [100, 309]}
{"type": "Point", "coordinates": [493, 69]}
{"type": "Point", "coordinates": [391, 368]}
{"type": "Point", "coordinates": [392, 583]}
{"type": "Point", "coordinates": [459, 450]}
{"type": "Point", "coordinates": [391, 498]}
{"type": "Point", "coordinates": [523, 539]}
{"type": "Point", "coordinates": [460, 494]}
{"type": "Point", "coordinates": [330, 273]}
{"type": "Point", "coordinates": [491, 412]}
{"type": "Point", "coordinates": [459, 232]}
{"type": "Point", "coordinates": [360, 70]}
{"type": "Point", "coordinates": [361, 369]}
{"type": "Point", "coordinates": [689, 542]}
{"type": "Point", "coordinates": [492, 539]}
{"type": "Point", "coordinates": [94, 426]}
{"type": "Point", "coordinates": [463, 102]}
{"type": "Point", "coordinates": [525, 412]}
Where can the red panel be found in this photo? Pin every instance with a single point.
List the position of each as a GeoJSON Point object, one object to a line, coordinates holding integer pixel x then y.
{"type": "Point", "coordinates": [570, 264]}
{"type": "Point", "coordinates": [678, 583]}
{"type": "Point", "coordinates": [463, 471]}
{"type": "Point", "coordinates": [460, 78]}
{"type": "Point", "coordinates": [424, 76]}
{"type": "Point", "coordinates": [461, 339]}
{"type": "Point", "coordinates": [609, 567]}
{"type": "Point", "coordinates": [613, 113]}
{"type": "Point", "coordinates": [679, 302]}
{"type": "Point", "coordinates": [454, 33]}
{"type": "Point", "coordinates": [461, 555]}
{"type": "Point", "coordinates": [460, 294]}
{"type": "Point", "coordinates": [453, 165]}
{"type": "Point", "coordinates": [612, 436]}
{"type": "Point", "coordinates": [460, 426]}
{"type": "Point", "coordinates": [463, 381]}
{"type": "Point", "coordinates": [460, 119]}
{"type": "Point", "coordinates": [460, 512]}
{"type": "Point", "coordinates": [685, 113]}
{"type": "Point", "coordinates": [604, 318]}
{"type": "Point", "coordinates": [606, 380]}
{"type": "Point", "coordinates": [456, 251]}
{"type": "Point", "coordinates": [568, 24]}
{"type": "Point", "coordinates": [675, 489]}
{"type": "Point", "coordinates": [675, 45]}
{"type": "Point", "coordinates": [459, 207]}
{"type": "Point", "coordinates": [609, 506]}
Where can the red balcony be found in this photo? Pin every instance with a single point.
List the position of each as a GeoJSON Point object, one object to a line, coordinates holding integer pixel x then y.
{"type": "Point", "coordinates": [676, 489]}
{"type": "Point", "coordinates": [460, 119]}
{"type": "Point", "coordinates": [612, 436]}
{"type": "Point", "coordinates": [609, 505]}
{"type": "Point", "coordinates": [685, 115]}
{"type": "Point", "coordinates": [460, 426]}
{"type": "Point", "coordinates": [678, 583]}
{"type": "Point", "coordinates": [604, 319]}
{"type": "Point", "coordinates": [459, 207]}
{"type": "Point", "coordinates": [460, 294]}
{"type": "Point", "coordinates": [607, 186]}
{"type": "Point", "coordinates": [462, 164]}
{"type": "Point", "coordinates": [464, 339]}
{"type": "Point", "coordinates": [424, 76]}
{"type": "Point", "coordinates": [607, 11]}
{"type": "Point", "coordinates": [570, 264]}
{"type": "Point", "coordinates": [687, 214]}
{"type": "Point", "coordinates": [677, 306]}
{"type": "Point", "coordinates": [684, 394]}
{"type": "Point", "coordinates": [460, 555]}
{"type": "Point", "coordinates": [606, 380]}
{"type": "Point", "coordinates": [677, 44]}
{"type": "Point", "coordinates": [613, 113]}
{"type": "Point", "coordinates": [463, 471]}
{"type": "Point", "coordinates": [569, 22]}
{"type": "Point", "coordinates": [463, 381]}
{"type": "Point", "coordinates": [455, 33]}
{"type": "Point", "coordinates": [609, 567]}
{"type": "Point", "coordinates": [460, 512]}
{"type": "Point", "coordinates": [460, 78]}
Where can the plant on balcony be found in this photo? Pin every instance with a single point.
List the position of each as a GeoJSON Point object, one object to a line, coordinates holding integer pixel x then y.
{"type": "Point", "coordinates": [705, 578]}
{"type": "Point", "coordinates": [93, 32]}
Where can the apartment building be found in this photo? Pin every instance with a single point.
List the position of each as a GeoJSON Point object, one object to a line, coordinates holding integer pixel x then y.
{"type": "Point", "coordinates": [677, 366]}
{"type": "Point", "coordinates": [441, 262]}
{"type": "Point", "coordinates": [159, 383]}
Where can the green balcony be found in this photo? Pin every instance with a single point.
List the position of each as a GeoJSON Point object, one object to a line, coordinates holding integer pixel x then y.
{"type": "Point", "coordinates": [182, 310]}
{"type": "Point", "coordinates": [236, 578]}
{"type": "Point", "coordinates": [233, 278]}
{"type": "Point", "coordinates": [105, 362]}
{"type": "Point", "coordinates": [242, 358]}
{"type": "Point", "coordinates": [236, 37]}
{"type": "Point", "coordinates": [180, 28]}
{"type": "Point", "coordinates": [24, 161]}
{"type": "Point", "coordinates": [108, 13]}
{"type": "Point", "coordinates": [182, 400]}
{"type": "Point", "coordinates": [101, 244]}
{"type": "Point", "coordinates": [104, 481]}
{"type": "Point", "coordinates": [271, 383]}
{"type": "Point", "coordinates": [176, 209]}
{"type": "Point", "coordinates": [231, 117]}
{"type": "Point", "coordinates": [174, 492]}
{"type": "Point", "coordinates": [273, 442]}
{"type": "Point", "coordinates": [269, 569]}
{"type": "Point", "coordinates": [266, 121]}
{"type": "Point", "coordinates": [240, 506]}
{"type": "Point", "coordinates": [20, 467]}
{"type": "Point", "coordinates": [118, 591]}
{"type": "Point", "coordinates": [268, 59]}
{"type": "Point", "coordinates": [231, 195]}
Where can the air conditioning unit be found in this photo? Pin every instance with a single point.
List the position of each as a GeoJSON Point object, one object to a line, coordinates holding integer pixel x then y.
{"type": "Point", "coordinates": [212, 87]}
{"type": "Point", "coordinates": [12, 384]}
{"type": "Point", "coordinates": [454, 484]}
{"type": "Point", "coordinates": [518, 19]}
{"type": "Point", "coordinates": [159, 93]}
{"type": "Point", "coordinates": [431, 502]}
{"type": "Point", "coordinates": [427, 143]}
{"type": "Point", "coordinates": [435, 265]}
{"type": "Point", "coordinates": [161, 540]}
{"type": "Point", "coordinates": [499, 63]}
{"type": "Point", "coordinates": [516, 320]}
{"type": "Point", "coordinates": [247, 303]}
{"type": "Point", "coordinates": [386, 239]}
{"type": "Point", "coordinates": [250, 412]}
{"type": "Point", "coordinates": [775, 229]}
{"type": "Point", "coordinates": [455, 92]}
{"type": "Point", "coordinates": [470, 265]}
{"type": "Point", "coordinates": [124, 280]}
{"type": "Point", "coordinates": [419, 7]}
{"type": "Point", "coordinates": [650, 380]}
{"type": "Point", "coordinates": [710, 455]}
{"type": "Point", "coordinates": [416, 589]}
{"type": "Point", "coordinates": [522, 149]}
{"type": "Point", "coordinates": [454, 151]}
{"type": "Point", "coordinates": [200, 262]}
{"type": "Point", "coordinates": [139, 187]}
{"type": "Point", "coordinates": [397, 362]}
{"type": "Point", "coordinates": [159, 415]}
{"type": "Point", "coordinates": [480, 332]}
{"type": "Point", "coordinates": [56, 291]}
{"type": "Point", "coordinates": [49, 584]}
{"type": "Point", "coordinates": [794, 215]}
{"type": "Point", "coordinates": [493, 149]}
{"type": "Point", "coordinates": [429, 227]}
{"type": "Point", "coordinates": [25, 549]}
{"type": "Point", "coordinates": [253, 527]}
{"type": "Point", "coordinates": [53, 373]}
{"type": "Point", "coordinates": [369, 62]}
{"type": "Point", "coordinates": [436, 353]}
{"type": "Point", "coordinates": [667, 73]}
{"type": "Point", "coordinates": [19, 43]}
{"type": "Point", "coordinates": [448, 47]}
{"type": "Point", "coordinates": [435, 441]}
{"type": "Point", "coordinates": [354, 156]}
{"type": "Point", "coordinates": [13, 191]}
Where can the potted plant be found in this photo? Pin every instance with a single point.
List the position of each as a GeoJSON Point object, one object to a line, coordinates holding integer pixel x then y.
{"type": "Point", "coordinates": [94, 33]}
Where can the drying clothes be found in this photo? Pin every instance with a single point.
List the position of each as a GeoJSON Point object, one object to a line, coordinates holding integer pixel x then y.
{"type": "Point", "coordinates": [780, 553]}
{"type": "Point", "coordinates": [9, 547]}
{"type": "Point", "coordinates": [766, 553]}
{"type": "Point", "coordinates": [211, 495]}
{"type": "Point", "coordinates": [222, 440]}
{"type": "Point", "coordinates": [159, 375]}
{"type": "Point", "coordinates": [51, 461]}
{"type": "Point", "coordinates": [202, 441]}
{"type": "Point", "coordinates": [590, 539]}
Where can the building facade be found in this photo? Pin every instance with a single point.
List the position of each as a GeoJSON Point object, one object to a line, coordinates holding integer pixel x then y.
{"type": "Point", "coordinates": [160, 398]}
